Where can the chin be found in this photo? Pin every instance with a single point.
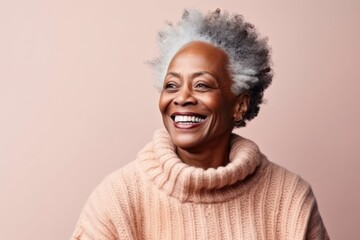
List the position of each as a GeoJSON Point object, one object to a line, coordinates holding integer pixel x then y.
{"type": "Point", "coordinates": [184, 139]}
{"type": "Point", "coordinates": [184, 142]}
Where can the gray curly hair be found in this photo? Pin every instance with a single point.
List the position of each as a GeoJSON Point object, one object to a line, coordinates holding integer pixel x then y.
{"type": "Point", "coordinates": [248, 53]}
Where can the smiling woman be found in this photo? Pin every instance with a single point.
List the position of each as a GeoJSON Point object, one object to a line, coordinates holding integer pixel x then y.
{"type": "Point", "coordinates": [196, 179]}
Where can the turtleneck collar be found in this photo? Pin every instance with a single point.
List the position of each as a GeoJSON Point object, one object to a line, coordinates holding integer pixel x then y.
{"type": "Point", "coordinates": [187, 183]}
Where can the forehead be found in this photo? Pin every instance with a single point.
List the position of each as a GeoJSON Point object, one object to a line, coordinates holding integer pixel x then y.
{"type": "Point", "coordinates": [199, 56]}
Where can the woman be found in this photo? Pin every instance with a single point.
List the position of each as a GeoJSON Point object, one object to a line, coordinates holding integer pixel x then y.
{"type": "Point", "coordinates": [197, 180]}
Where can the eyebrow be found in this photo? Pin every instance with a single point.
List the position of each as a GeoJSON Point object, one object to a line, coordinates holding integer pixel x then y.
{"type": "Point", "coordinates": [196, 74]}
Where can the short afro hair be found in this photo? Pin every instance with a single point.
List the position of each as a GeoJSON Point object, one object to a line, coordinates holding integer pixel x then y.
{"type": "Point", "coordinates": [249, 54]}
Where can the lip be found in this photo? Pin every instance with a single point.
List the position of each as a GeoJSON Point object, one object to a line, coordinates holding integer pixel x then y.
{"type": "Point", "coordinates": [187, 125]}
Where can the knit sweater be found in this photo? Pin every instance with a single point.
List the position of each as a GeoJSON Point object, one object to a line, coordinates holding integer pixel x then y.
{"type": "Point", "coordinates": [157, 196]}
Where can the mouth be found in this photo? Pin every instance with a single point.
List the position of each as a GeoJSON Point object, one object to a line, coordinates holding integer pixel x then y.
{"type": "Point", "coordinates": [187, 118]}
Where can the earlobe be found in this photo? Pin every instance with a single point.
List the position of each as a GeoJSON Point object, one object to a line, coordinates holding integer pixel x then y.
{"type": "Point", "coordinates": [241, 106]}
{"type": "Point", "coordinates": [245, 103]}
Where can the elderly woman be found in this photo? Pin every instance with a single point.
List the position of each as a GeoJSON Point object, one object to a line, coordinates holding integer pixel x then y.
{"type": "Point", "coordinates": [196, 179]}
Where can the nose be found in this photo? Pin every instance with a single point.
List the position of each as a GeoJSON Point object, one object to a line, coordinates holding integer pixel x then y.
{"type": "Point", "coordinates": [185, 97]}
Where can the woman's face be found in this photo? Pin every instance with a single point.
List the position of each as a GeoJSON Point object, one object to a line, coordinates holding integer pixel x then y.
{"type": "Point", "coordinates": [196, 103]}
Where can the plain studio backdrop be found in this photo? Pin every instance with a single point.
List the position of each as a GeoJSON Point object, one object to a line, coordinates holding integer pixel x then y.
{"type": "Point", "coordinates": [77, 102]}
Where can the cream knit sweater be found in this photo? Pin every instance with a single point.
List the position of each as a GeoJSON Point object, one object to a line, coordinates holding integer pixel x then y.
{"type": "Point", "coordinates": [159, 197]}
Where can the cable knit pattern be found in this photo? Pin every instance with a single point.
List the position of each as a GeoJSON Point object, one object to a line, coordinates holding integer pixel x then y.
{"type": "Point", "coordinates": [159, 197]}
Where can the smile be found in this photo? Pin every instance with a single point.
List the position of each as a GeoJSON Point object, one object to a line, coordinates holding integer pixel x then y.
{"type": "Point", "coordinates": [187, 119]}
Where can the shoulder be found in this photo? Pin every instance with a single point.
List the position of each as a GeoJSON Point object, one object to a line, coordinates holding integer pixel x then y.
{"type": "Point", "coordinates": [122, 181]}
{"type": "Point", "coordinates": [292, 199]}
{"type": "Point", "coordinates": [105, 212]}
{"type": "Point", "coordinates": [112, 203]}
{"type": "Point", "coordinates": [121, 184]}
{"type": "Point", "coordinates": [293, 195]}
{"type": "Point", "coordinates": [288, 183]}
{"type": "Point", "coordinates": [108, 190]}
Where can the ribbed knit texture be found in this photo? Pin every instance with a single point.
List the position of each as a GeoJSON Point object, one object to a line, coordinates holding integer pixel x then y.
{"type": "Point", "coordinates": [159, 197]}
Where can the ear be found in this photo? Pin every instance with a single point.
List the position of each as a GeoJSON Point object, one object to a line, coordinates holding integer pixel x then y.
{"type": "Point", "coordinates": [241, 105]}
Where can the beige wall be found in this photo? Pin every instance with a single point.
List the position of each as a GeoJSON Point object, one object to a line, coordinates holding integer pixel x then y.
{"type": "Point", "coordinates": [76, 102]}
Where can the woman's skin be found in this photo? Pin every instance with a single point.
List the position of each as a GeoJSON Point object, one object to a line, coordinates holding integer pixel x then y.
{"type": "Point", "coordinates": [198, 107]}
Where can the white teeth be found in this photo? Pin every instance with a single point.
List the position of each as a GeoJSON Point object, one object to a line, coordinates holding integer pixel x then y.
{"type": "Point", "coordinates": [188, 119]}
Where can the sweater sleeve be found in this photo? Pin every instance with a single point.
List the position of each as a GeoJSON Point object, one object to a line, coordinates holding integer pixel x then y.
{"type": "Point", "coordinates": [100, 218]}
{"type": "Point", "coordinates": [304, 216]}
{"type": "Point", "coordinates": [316, 228]}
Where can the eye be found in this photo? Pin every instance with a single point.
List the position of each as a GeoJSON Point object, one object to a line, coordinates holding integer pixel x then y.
{"type": "Point", "coordinates": [202, 86]}
{"type": "Point", "coordinates": [171, 86]}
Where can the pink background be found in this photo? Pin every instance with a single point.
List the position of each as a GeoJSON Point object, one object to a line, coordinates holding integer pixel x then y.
{"type": "Point", "coordinates": [77, 102]}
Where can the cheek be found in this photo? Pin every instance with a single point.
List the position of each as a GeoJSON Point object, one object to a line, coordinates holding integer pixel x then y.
{"type": "Point", "coordinates": [221, 108]}
{"type": "Point", "coordinates": [164, 102]}
{"type": "Point", "coordinates": [213, 102]}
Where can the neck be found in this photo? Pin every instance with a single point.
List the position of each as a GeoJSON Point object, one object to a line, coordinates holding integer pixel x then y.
{"type": "Point", "coordinates": [213, 156]}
